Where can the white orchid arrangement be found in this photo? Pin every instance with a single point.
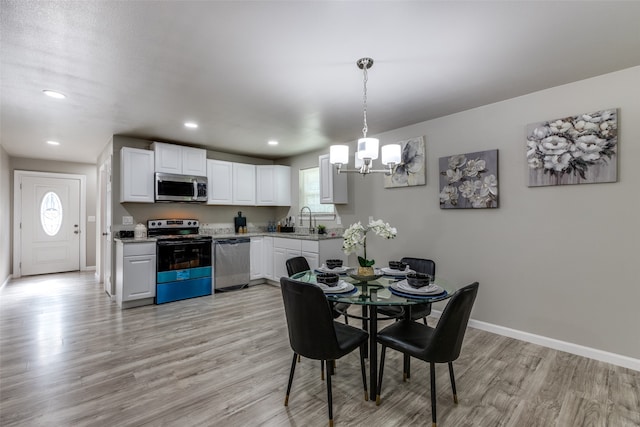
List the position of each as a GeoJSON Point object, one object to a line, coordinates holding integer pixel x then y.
{"type": "Point", "coordinates": [356, 236]}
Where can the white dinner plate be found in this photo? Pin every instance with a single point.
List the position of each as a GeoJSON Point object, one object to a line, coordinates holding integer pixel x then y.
{"type": "Point", "coordinates": [338, 270]}
{"type": "Point", "coordinates": [340, 288]}
{"type": "Point", "coordinates": [393, 272]}
{"type": "Point", "coordinates": [403, 286]}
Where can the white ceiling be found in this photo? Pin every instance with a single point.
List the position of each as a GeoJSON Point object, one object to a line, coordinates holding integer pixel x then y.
{"type": "Point", "coordinates": [248, 72]}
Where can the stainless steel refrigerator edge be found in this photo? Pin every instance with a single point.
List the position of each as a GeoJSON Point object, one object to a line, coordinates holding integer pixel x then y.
{"type": "Point", "coordinates": [232, 263]}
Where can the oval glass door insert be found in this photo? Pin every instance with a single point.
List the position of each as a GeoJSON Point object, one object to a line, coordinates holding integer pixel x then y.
{"type": "Point", "coordinates": [51, 213]}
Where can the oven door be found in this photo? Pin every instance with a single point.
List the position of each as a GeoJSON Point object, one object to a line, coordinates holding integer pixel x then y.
{"type": "Point", "coordinates": [180, 188]}
{"type": "Point", "coordinates": [183, 269]}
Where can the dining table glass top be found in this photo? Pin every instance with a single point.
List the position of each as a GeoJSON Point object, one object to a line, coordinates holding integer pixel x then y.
{"type": "Point", "coordinates": [377, 292]}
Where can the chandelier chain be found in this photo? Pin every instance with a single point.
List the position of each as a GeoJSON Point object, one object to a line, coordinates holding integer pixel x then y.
{"type": "Point", "coordinates": [364, 97]}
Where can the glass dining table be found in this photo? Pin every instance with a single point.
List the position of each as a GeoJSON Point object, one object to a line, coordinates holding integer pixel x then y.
{"type": "Point", "coordinates": [371, 294]}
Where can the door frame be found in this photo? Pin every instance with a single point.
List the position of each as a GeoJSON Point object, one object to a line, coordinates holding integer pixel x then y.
{"type": "Point", "coordinates": [17, 215]}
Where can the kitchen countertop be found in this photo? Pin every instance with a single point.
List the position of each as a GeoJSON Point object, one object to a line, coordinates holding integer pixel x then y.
{"type": "Point", "coordinates": [315, 237]}
{"type": "Point", "coordinates": [300, 236]}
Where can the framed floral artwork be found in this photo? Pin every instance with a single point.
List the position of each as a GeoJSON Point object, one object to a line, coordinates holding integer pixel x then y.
{"type": "Point", "coordinates": [469, 181]}
{"type": "Point", "coordinates": [579, 149]}
{"type": "Point", "coordinates": [412, 170]}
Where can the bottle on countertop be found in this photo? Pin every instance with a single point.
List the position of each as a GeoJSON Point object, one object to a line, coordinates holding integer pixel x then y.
{"type": "Point", "coordinates": [140, 232]}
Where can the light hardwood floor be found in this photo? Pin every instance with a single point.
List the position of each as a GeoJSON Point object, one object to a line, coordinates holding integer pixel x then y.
{"type": "Point", "coordinates": [70, 357]}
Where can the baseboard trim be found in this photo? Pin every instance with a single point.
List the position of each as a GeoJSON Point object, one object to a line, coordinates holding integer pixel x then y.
{"type": "Point", "coordinates": [579, 350]}
{"type": "Point", "coordinates": [5, 282]}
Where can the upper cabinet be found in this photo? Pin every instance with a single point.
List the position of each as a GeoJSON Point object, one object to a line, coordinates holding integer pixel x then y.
{"type": "Point", "coordinates": [333, 186]}
{"type": "Point", "coordinates": [273, 185]}
{"type": "Point", "coordinates": [231, 183]}
{"type": "Point", "coordinates": [219, 177]}
{"type": "Point", "coordinates": [136, 175]}
{"type": "Point", "coordinates": [179, 159]}
{"type": "Point", "coordinates": [244, 184]}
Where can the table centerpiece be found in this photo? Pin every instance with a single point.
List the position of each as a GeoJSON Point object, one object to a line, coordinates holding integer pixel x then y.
{"type": "Point", "coordinates": [356, 235]}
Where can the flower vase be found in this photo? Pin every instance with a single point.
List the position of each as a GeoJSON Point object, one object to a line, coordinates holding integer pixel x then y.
{"type": "Point", "coordinates": [365, 271]}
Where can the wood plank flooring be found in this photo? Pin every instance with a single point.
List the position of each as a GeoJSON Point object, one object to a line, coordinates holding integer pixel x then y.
{"type": "Point", "coordinates": [70, 357]}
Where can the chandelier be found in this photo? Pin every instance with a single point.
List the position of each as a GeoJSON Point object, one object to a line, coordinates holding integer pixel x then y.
{"type": "Point", "coordinates": [367, 147]}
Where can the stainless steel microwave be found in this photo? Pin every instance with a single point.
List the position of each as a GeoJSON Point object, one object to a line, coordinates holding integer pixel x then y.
{"type": "Point", "coordinates": [180, 188]}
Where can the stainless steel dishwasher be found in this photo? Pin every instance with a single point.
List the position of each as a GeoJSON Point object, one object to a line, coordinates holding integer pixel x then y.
{"type": "Point", "coordinates": [232, 263]}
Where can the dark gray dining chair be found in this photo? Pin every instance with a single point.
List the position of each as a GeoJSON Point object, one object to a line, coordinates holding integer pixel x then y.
{"type": "Point", "coordinates": [299, 264]}
{"type": "Point", "coordinates": [441, 344]}
{"type": "Point", "coordinates": [315, 335]}
{"type": "Point", "coordinates": [418, 311]}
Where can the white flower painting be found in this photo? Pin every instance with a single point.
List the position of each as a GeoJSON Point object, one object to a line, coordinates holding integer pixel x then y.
{"type": "Point", "coordinates": [469, 180]}
{"type": "Point", "coordinates": [412, 170]}
{"type": "Point", "coordinates": [580, 149]}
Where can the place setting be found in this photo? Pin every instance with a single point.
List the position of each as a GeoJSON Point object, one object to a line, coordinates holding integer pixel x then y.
{"type": "Point", "coordinates": [417, 285]}
{"type": "Point", "coordinates": [331, 284]}
{"type": "Point", "coordinates": [332, 266]}
{"type": "Point", "coordinates": [397, 269]}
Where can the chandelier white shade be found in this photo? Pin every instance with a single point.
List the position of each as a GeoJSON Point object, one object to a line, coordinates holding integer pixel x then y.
{"type": "Point", "coordinates": [367, 148]}
{"type": "Point", "coordinates": [391, 153]}
{"type": "Point", "coordinates": [339, 154]}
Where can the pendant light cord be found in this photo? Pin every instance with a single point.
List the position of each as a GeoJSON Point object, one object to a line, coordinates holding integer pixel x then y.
{"type": "Point", "coordinates": [364, 96]}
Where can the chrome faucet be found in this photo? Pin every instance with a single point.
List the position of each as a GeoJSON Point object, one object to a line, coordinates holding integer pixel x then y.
{"type": "Point", "coordinates": [311, 229]}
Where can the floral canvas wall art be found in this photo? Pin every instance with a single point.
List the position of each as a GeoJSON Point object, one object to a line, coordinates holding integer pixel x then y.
{"type": "Point", "coordinates": [579, 149]}
{"type": "Point", "coordinates": [469, 180]}
{"type": "Point", "coordinates": [412, 170]}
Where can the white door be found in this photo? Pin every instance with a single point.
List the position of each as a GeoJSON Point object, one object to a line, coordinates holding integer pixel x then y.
{"type": "Point", "coordinates": [50, 226]}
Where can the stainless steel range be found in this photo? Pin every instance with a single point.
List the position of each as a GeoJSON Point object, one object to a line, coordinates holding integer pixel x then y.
{"type": "Point", "coordinates": [184, 261]}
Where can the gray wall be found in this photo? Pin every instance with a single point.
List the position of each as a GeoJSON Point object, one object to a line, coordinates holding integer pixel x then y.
{"type": "Point", "coordinates": [560, 262]}
{"type": "Point", "coordinates": [5, 217]}
{"type": "Point", "coordinates": [88, 170]}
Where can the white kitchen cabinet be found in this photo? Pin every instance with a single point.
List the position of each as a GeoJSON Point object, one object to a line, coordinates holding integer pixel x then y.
{"type": "Point", "coordinates": [135, 273]}
{"type": "Point", "coordinates": [136, 175]}
{"type": "Point", "coordinates": [267, 257]}
{"type": "Point", "coordinates": [219, 177]}
{"type": "Point", "coordinates": [179, 159]}
{"type": "Point", "coordinates": [273, 185]}
{"type": "Point", "coordinates": [243, 184]}
{"type": "Point", "coordinates": [333, 186]}
{"type": "Point", "coordinates": [256, 258]}
{"type": "Point", "coordinates": [316, 252]}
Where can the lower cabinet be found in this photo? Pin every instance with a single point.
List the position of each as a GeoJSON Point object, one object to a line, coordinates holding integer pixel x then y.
{"type": "Point", "coordinates": [270, 254]}
{"type": "Point", "coordinates": [315, 251]}
{"type": "Point", "coordinates": [135, 273]}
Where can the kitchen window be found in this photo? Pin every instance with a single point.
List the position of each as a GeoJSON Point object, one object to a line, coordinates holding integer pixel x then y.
{"type": "Point", "coordinates": [309, 183]}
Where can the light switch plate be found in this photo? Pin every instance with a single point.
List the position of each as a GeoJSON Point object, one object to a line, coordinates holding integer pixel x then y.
{"type": "Point", "coordinates": [127, 220]}
{"type": "Point", "coordinates": [91, 218]}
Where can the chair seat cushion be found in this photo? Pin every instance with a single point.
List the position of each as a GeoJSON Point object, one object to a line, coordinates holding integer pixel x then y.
{"type": "Point", "coordinates": [407, 337]}
{"type": "Point", "coordinates": [349, 338]}
{"type": "Point", "coordinates": [418, 311]}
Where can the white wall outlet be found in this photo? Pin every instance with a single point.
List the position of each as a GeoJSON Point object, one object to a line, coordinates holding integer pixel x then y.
{"type": "Point", "coordinates": [338, 220]}
{"type": "Point", "coordinates": [127, 220]}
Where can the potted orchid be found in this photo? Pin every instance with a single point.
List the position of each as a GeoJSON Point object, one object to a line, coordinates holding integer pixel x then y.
{"type": "Point", "coordinates": [356, 236]}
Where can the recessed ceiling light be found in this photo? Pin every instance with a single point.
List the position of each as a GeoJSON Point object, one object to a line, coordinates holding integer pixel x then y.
{"type": "Point", "coordinates": [53, 143]}
{"type": "Point", "coordinates": [272, 142]}
{"type": "Point", "coordinates": [54, 94]}
{"type": "Point", "coordinates": [191, 125]}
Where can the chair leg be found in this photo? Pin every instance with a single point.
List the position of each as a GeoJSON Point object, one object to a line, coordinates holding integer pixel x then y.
{"type": "Point", "coordinates": [322, 370]}
{"type": "Point", "coordinates": [346, 318]}
{"type": "Point", "coordinates": [453, 383]}
{"type": "Point", "coordinates": [406, 368]}
{"type": "Point", "coordinates": [382, 353]}
{"type": "Point", "coordinates": [293, 368]}
{"type": "Point", "coordinates": [329, 397]}
{"type": "Point", "coordinates": [432, 372]}
{"type": "Point", "coordinates": [364, 373]}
